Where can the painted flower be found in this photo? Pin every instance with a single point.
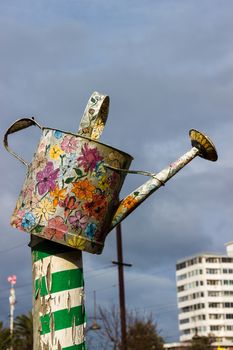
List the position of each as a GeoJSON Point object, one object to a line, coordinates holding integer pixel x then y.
{"type": "Point", "coordinates": [69, 163]}
{"type": "Point", "coordinates": [114, 159]}
{"type": "Point", "coordinates": [31, 203]}
{"type": "Point", "coordinates": [39, 161]}
{"type": "Point", "coordinates": [100, 169]}
{"type": "Point", "coordinates": [69, 204]}
{"type": "Point", "coordinates": [90, 230]}
{"type": "Point", "coordinates": [103, 184]}
{"type": "Point", "coordinates": [58, 134]}
{"type": "Point", "coordinates": [17, 219]}
{"type": "Point", "coordinates": [42, 147]}
{"type": "Point", "coordinates": [77, 242]}
{"type": "Point", "coordinates": [58, 195]}
{"type": "Point", "coordinates": [28, 221]}
{"type": "Point", "coordinates": [97, 207]}
{"type": "Point", "coordinates": [98, 128]}
{"type": "Point", "coordinates": [44, 209]}
{"type": "Point", "coordinates": [28, 190]}
{"type": "Point", "coordinates": [129, 202]}
{"type": "Point", "coordinates": [83, 189]}
{"type": "Point", "coordinates": [56, 228]}
{"type": "Point", "coordinates": [78, 220]}
{"type": "Point", "coordinates": [89, 158]}
{"type": "Point", "coordinates": [69, 144]}
{"type": "Point", "coordinates": [55, 152]}
{"type": "Point", "coordinates": [46, 178]}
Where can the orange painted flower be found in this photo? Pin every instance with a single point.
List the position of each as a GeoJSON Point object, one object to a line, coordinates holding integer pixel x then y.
{"type": "Point", "coordinates": [129, 202]}
{"type": "Point", "coordinates": [97, 207]}
{"type": "Point", "coordinates": [83, 190]}
{"type": "Point", "coordinates": [58, 195]}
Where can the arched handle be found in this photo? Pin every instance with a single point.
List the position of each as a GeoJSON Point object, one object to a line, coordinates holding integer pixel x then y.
{"type": "Point", "coordinates": [18, 125]}
{"type": "Point", "coordinates": [94, 116]}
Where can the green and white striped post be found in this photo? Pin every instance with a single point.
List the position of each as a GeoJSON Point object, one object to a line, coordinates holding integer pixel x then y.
{"type": "Point", "coordinates": [58, 296]}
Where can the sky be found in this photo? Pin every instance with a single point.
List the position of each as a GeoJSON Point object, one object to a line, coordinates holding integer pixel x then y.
{"type": "Point", "coordinates": [167, 66]}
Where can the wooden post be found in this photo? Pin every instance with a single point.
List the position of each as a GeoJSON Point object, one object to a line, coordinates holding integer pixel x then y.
{"type": "Point", "coordinates": [58, 296]}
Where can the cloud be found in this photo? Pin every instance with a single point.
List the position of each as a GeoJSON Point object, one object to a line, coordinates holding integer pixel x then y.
{"type": "Point", "coordinates": [167, 67]}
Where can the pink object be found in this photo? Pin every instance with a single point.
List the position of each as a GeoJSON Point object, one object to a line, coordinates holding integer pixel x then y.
{"type": "Point", "coordinates": [12, 279]}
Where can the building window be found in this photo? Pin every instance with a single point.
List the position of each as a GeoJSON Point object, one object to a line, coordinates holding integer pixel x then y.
{"type": "Point", "coordinates": [215, 305]}
{"type": "Point", "coordinates": [180, 266]}
{"type": "Point", "coordinates": [227, 260]}
{"type": "Point", "coordinates": [213, 271]}
{"type": "Point", "coordinates": [215, 328]}
{"type": "Point", "coordinates": [181, 277]}
{"type": "Point", "coordinates": [185, 320]}
{"type": "Point", "coordinates": [212, 260]}
{"type": "Point", "coordinates": [227, 304]}
{"type": "Point", "coordinates": [229, 316]}
{"type": "Point", "coordinates": [214, 282]}
{"type": "Point", "coordinates": [214, 293]}
{"type": "Point", "coordinates": [215, 316]}
{"type": "Point", "coordinates": [228, 282]}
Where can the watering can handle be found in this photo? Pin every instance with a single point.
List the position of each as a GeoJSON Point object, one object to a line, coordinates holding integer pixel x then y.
{"type": "Point", "coordinates": [94, 116]}
{"type": "Point", "coordinates": [18, 125]}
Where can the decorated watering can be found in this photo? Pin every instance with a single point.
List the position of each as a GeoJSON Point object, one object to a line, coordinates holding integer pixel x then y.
{"type": "Point", "coordinates": [70, 194]}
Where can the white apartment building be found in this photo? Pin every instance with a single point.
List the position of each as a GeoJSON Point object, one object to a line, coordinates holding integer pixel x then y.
{"type": "Point", "coordinates": [205, 295]}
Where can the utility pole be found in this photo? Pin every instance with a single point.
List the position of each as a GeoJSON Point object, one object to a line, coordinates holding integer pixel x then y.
{"type": "Point", "coordinates": [12, 280]}
{"type": "Point", "coordinates": [58, 296]}
{"type": "Point", "coordinates": [121, 265]}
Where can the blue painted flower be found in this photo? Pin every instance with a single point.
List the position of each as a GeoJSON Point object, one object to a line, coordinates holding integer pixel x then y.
{"type": "Point", "coordinates": [90, 230]}
{"type": "Point", "coordinates": [28, 221]}
{"type": "Point", "coordinates": [57, 134]}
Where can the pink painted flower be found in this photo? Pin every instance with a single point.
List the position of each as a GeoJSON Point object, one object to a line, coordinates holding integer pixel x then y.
{"type": "Point", "coordinates": [56, 228]}
{"type": "Point", "coordinates": [69, 144]}
{"type": "Point", "coordinates": [46, 178]}
{"type": "Point", "coordinates": [69, 204]}
{"type": "Point", "coordinates": [89, 158]}
{"type": "Point", "coordinates": [78, 220]}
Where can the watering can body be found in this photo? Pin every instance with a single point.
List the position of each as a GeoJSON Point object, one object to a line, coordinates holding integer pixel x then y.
{"type": "Point", "coordinates": [69, 194]}
{"type": "Point", "coordinates": [72, 185]}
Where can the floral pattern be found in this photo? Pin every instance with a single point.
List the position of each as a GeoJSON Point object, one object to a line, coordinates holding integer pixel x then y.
{"type": "Point", "coordinates": [69, 195]}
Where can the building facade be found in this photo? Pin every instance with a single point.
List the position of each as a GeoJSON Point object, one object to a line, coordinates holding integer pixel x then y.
{"type": "Point", "coordinates": [205, 296]}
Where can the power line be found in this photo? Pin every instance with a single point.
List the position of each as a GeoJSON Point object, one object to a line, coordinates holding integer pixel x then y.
{"type": "Point", "coordinates": [12, 248]}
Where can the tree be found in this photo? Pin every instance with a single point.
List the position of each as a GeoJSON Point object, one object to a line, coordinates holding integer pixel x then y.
{"type": "Point", "coordinates": [5, 337]}
{"type": "Point", "coordinates": [201, 343]}
{"type": "Point", "coordinates": [141, 331]}
{"type": "Point", "coordinates": [142, 335]}
{"type": "Point", "coordinates": [23, 332]}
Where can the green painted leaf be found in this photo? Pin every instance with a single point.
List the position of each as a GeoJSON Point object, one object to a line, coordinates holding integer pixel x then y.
{"type": "Point", "coordinates": [93, 100]}
{"type": "Point", "coordinates": [69, 180]}
{"type": "Point", "coordinates": [39, 228]}
{"type": "Point", "coordinates": [136, 193]}
{"type": "Point", "coordinates": [78, 172]}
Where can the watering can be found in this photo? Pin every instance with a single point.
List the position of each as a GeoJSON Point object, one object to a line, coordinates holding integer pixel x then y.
{"type": "Point", "coordinates": [70, 194]}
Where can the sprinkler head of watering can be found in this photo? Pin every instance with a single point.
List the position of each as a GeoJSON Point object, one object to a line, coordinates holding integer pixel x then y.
{"type": "Point", "coordinates": [204, 144]}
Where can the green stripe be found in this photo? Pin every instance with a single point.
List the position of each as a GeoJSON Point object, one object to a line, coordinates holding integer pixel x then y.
{"type": "Point", "coordinates": [76, 347]}
{"type": "Point", "coordinates": [63, 280]}
{"type": "Point", "coordinates": [63, 319]}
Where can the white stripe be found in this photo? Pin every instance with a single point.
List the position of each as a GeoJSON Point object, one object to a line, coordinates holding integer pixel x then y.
{"type": "Point", "coordinates": [66, 299]}
{"type": "Point", "coordinates": [65, 337]}
{"type": "Point", "coordinates": [59, 262]}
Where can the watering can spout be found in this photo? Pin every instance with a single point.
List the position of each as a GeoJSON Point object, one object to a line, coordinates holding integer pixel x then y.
{"type": "Point", "coordinates": [201, 146]}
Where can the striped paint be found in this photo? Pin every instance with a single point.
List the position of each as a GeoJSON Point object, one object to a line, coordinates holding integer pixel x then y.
{"type": "Point", "coordinates": [58, 298]}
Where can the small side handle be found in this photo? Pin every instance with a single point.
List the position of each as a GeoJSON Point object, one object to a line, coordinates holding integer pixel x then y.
{"type": "Point", "coordinates": [18, 125]}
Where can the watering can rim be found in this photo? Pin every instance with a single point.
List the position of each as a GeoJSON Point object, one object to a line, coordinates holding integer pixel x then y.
{"type": "Point", "coordinates": [89, 139]}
